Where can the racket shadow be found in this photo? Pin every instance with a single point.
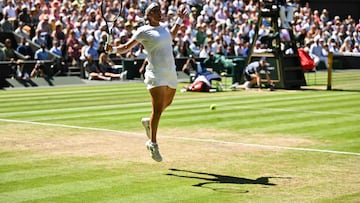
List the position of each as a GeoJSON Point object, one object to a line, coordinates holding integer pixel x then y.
{"type": "Point", "coordinates": [211, 178]}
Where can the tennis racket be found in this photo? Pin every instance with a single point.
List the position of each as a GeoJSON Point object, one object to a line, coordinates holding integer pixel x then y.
{"type": "Point", "coordinates": [110, 12]}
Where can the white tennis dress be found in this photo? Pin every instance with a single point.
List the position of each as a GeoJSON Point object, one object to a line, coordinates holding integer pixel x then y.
{"type": "Point", "coordinates": [161, 70]}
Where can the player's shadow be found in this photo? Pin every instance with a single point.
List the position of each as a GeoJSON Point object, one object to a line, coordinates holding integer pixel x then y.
{"type": "Point", "coordinates": [211, 178]}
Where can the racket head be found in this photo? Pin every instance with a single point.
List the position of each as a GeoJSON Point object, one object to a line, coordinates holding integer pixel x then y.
{"type": "Point", "coordinates": [110, 11]}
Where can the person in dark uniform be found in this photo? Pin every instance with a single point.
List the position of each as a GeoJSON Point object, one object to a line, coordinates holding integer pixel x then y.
{"type": "Point", "coordinates": [252, 75]}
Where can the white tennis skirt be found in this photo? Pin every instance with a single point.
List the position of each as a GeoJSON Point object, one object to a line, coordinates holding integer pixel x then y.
{"type": "Point", "coordinates": [161, 78]}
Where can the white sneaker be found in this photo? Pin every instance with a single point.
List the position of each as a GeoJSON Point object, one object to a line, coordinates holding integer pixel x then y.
{"type": "Point", "coordinates": [123, 75]}
{"type": "Point", "coordinates": [146, 123]}
{"type": "Point", "coordinates": [154, 150]}
{"type": "Point", "coordinates": [235, 85]}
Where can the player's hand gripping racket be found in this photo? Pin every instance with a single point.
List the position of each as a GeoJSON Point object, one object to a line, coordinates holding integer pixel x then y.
{"type": "Point", "coordinates": [110, 12]}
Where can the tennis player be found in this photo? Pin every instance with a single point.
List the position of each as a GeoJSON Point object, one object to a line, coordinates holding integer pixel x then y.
{"type": "Point", "coordinates": [160, 74]}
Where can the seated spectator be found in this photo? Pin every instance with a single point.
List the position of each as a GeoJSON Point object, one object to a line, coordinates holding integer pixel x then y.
{"type": "Point", "coordinates": [38, 70]}
{"type": "Point", "coordinates": [107, 67]}
{"type": "Point", "coordinates": [24, 16]}
{"type": "Point", "coordinates": [9, 52]}
{"type": "Point", "coordinates": [38, 38]}
{"type": "Point", "coordinates": [317, 51]}
{"type": "Point", "coordinates": [191, 66]}
{"type": "Point", "coordinates": [45, 29]}
{"type": "Point", "coordinates": [346, 47]}
{"type": "Point", "coordinates": [141, 52]}
{"type": "Point", "coordinates": [90, 49]}
{"type": "Point", "coordinates": [23, 31]}
{"type": "Point", "coordinates": [130, 54]}
{"type": "Point", "coordinates": [356, 48]}
{"type": "Point", "coordinates": [56, 48]}
{"type": "Point", "coordinates": [25, 49]}
{"type": "Point", "coordinates": [74, 48]}
{"type": "Point", "coordinates": [2, 55]}
{"type": "Point", "coordinates": [6, 24]}
{"type": "Point", "coordinates": [10, 11]}
{"type": "Point", "coordinates": [41, 54]}
{"type": "Point", "coordinates": [20, 71]}
{"type": "Point", "coordinates": [92, 69]}
{"type": "Point", "coordinates": [58, 34]}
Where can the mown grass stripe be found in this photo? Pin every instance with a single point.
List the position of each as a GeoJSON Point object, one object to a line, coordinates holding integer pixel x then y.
{"type": "Point", "coordinates": [187, 138]}
{"type": "Point", "coordinates": [71, 90]}
{"type": "Point", "coordinates": [73, 98]}
{"type": "Point", "coordinates": [33, 194]}
{"type": "Point", "coordinates": [21, 180]}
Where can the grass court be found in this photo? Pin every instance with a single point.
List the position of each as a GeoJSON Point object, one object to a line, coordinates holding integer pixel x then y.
{"type": "Point", "coordinates": [87, 144]}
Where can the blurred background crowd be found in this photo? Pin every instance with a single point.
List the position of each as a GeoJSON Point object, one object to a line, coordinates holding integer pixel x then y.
{"type": "Point", "coordinates": [75, 29]}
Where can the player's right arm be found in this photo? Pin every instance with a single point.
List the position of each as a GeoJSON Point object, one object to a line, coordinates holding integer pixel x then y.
{"type": "Point", "coordinates": [122, 48]}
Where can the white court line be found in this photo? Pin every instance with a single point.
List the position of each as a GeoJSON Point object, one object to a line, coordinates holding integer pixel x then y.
{"type": "Point", "coordinates": [186, 138]}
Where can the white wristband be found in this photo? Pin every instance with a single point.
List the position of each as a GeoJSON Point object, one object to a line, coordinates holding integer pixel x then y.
{"type": "Point", "coordinates": [179, 21]}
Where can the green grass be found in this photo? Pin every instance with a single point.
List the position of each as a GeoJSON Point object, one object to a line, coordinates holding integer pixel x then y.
{"type": "Point", "coordinates": [86, 144]}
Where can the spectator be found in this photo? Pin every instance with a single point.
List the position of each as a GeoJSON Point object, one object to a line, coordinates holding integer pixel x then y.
{"type": "Point", "coordinates": [35, 13]}
{"type": "Point", "coordinates": [6, 25]}
{"type": "Point", "coordinates": [38, 38]}
{"type": "Point", "coordinates": [25, 49]}
{"type": "Point", "coordinates": [56, 48]}
{"type": "Point", "coordinates": [77, 30]}
{"type": "Point", "coordinates": [201, 34]}
{"type": "Point", "coordinates": [92, 69]}
{"type": "Point", "coordinates": [74, 48]}
{"type": "Point", "coordinates": [346, 47]}
{"type": "Point", "coordinates": [58, 34]}
{"type": "Point", "coordinates": [191, 66]}
{"type": "Point", "coordinates": [9, 51]}
{"type": "Point", "coordinates": [203, 51]}
{"type": "Point", "coordinates": [130, 54]}
{"type": "Point", "coordinates": [356, 48]}
{"type": "Point", "coordinates": [141, 52]}
{"type": "Point", "coordinates": [1, 9]}
{"type": "Point", "coordinates": [9, 10]}
{"type": "Point", "coordinates": [23, 30]}
{"type": "Point", "coordinates": [24, 16]}
{"type": "Point", "coordinates": [45, 29]}
{"type": "Point", "coordinates": [38, 70]}
{"type": "Point", "coordinates": [333, 46]}
{"type": "Point", "coordinates": [2, 55]}
{"type": "Point", "coordinates": [317, 51]}
{"type": "Point", "coordinates": [41, 54]}
{"type": "Point", "coordinates": [107, 67]}
{"type": "Point", "coordinates": [21, 73]}
{"type": "Point", "coordinates": [324, 17]}
{"type": "Point", "coordinates": [90, 49]}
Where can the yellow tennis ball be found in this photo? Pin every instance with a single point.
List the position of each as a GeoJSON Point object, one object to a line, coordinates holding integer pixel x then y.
{"type": "Point", "coordinates": [213, 106]}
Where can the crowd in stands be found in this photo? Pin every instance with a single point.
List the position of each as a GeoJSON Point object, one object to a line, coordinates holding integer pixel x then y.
{"type": "Point", "coordinates": [75, 29]}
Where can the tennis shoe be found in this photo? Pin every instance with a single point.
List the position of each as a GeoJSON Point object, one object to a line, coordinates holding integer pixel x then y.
{"type": "Point", "coordinates": [154, 150]}
{"type": "Point", "coordinates": [146, 123]}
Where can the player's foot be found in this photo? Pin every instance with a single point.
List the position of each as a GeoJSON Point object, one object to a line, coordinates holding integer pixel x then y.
{"type": "Point", "coordinates": [146, 123]}
{"type": "Point", "coordinates": [154, 150]}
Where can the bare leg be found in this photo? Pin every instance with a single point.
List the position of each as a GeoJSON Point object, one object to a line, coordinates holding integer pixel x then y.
{"type": "Point", "coordinates": [252, 82]}
{"type": "Point", "coordinates": [161, 98]}
{"type": "Point", "coordinates": [98, 76]}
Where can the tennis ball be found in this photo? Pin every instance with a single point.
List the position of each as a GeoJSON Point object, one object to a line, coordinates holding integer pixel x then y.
{"type": "Point", "coordinates": [213, 106]}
